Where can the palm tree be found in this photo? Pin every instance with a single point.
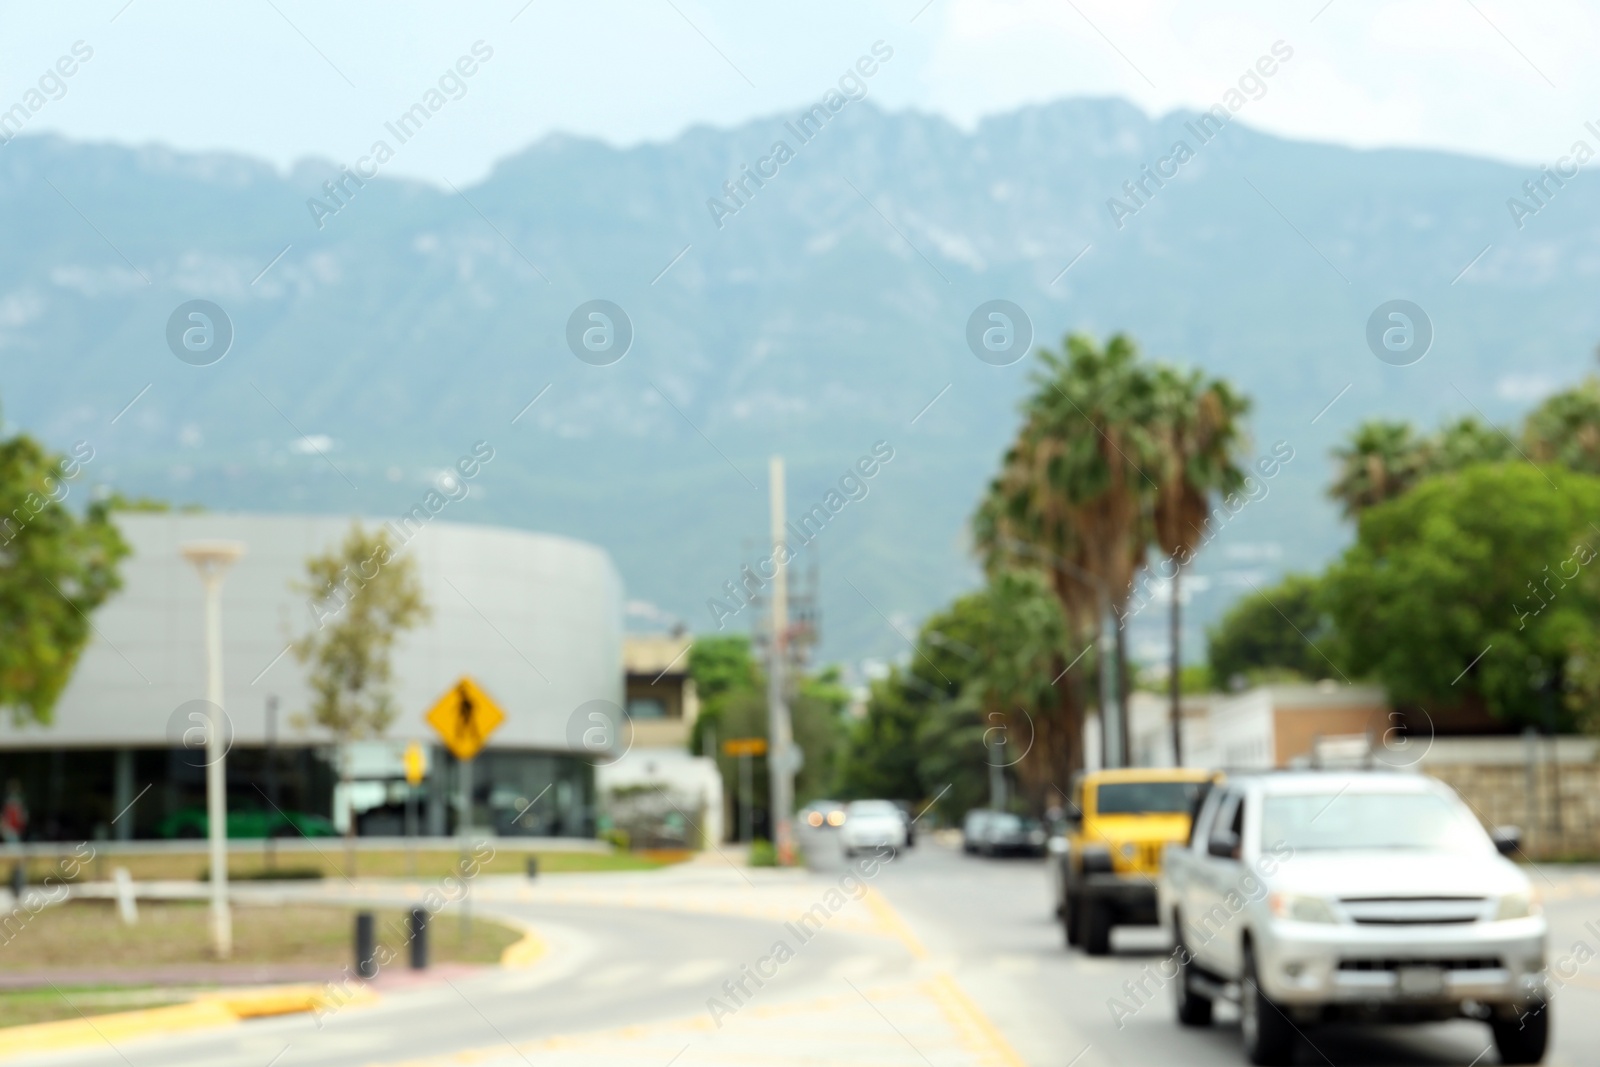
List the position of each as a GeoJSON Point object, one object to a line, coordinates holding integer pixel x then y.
{"type": "Point", "coordinates": [1383, 459]}
{"type": "Point", "coordinates": [1075, 486]}
{"type": "Point", "coordinates": [1200, 434]}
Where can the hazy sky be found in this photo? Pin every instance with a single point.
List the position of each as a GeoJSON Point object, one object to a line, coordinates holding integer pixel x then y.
{"type": "Point", "coordinates": [281, 79]}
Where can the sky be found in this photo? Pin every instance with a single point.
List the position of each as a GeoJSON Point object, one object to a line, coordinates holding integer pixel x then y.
{"type": "Point", "coordinates": [285, 79]}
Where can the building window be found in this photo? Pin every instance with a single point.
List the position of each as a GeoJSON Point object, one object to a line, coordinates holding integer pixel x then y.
{"type": "Point", "coordinates": [646, 708]}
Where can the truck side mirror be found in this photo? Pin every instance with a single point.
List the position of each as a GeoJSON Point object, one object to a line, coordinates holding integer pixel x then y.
{"type": "Point", "coordinates": [1507, 839]}
{"type": "Point", "coordinates": [1224, 846]}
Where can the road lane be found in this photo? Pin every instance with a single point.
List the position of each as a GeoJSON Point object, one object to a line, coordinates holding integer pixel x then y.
{"type": "Point", "coordinates": [947, 960]}
{"type": "Point", "coordinates": [988, 920]}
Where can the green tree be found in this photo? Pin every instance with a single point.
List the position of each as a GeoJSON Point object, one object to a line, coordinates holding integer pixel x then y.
{"type": "Point", "coordinates": [721, 664]}
{"type": "Point", "coordinates": [976, 691]}
{"type": "Point", "coordinates": [880, 756]}
{"type": "Point", "coordinates": [1565, 429]}
{"type": "Point", "coordinates": [1473, 586]}
{"type": "Point", "coordinates": [733, 703]}
{"type": "Point", "coordinates": [363, 596]}
{"type": "Point", "coordinates": [56, 568]}
{"type": "Point", "coordinates": [1464, 443]}
{"type": "Point", "coordinates": [816, 712]}
{"type": "Point", "coordinates": [1274, 632]}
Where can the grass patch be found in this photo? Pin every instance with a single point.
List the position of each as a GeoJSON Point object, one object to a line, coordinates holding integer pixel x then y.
{"type": "Point", "coordinates": [88, 934]}
{"type": "Point", "coordinates": [330, 861]}
{"type": "Point", "coordinates": [22, 1006]}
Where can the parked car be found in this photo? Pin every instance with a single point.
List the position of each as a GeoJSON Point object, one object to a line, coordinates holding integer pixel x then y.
{"type": "Point", "coordinates": [1006, 834]}
{"type": "Point", "coordinates": [910, 821]}
{"type": "Point", "coordinates": [823, 815]}
{"type": "Point", "coordinates": [246, 824]}
{"type": "Point", "coordinates": [1369, 896]}
{"type": "Point", "coordinates": [1105, 863]}
{"type": "Point", "coordinates": [972, 829]}
{"type": "Point", "coordinates": [871, 824]}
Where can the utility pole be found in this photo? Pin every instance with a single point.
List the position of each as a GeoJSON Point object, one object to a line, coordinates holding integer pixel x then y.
{"type": "Point", "coordinates": [780, 758]}
{"type": "Point", "coordinates": [1175, 670]}
{"type": "Point", "coordinates": [1111, 733]}
{"type": "Point", "coordinates": [997, 776]}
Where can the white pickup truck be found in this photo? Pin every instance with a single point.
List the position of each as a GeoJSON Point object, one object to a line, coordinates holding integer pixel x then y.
{"type": "Point", "coordinates": [1315, 896]}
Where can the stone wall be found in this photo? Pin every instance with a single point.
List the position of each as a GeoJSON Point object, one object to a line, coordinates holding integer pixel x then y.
{"type": "Point", "coordinates": [1554, 798]}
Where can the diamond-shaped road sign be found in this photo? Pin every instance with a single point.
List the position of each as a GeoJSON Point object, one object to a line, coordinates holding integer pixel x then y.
{"type": "Point", "coordinates": [465, 717]}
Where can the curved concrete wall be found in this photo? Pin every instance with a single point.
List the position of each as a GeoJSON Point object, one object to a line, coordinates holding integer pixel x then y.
{"type": "Point", "coordinates": [535, 619]}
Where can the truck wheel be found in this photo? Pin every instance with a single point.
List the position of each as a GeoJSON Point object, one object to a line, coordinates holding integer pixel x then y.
{"type": "Point", "coordinates": [1193, 1009]}
{"type": "Point", "coordinates": [1522, 1038]}
{"type": "Point", "coordinates": [1094, 926]}
{"type": "Point", "coordinates": [1069, 919]}
{"type": "Point", "coordinates": [1268, 1034]}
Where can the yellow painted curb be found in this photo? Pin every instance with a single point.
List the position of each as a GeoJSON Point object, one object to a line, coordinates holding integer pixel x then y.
{"type": "Point", "coordinates": [204, 1012]}
{"type": "Point", "coordinates": [524, 953]}
{"type": "Point", "coordinates": [288, 1000]}
{"type": "Point", "coordinates": [109, 1029]}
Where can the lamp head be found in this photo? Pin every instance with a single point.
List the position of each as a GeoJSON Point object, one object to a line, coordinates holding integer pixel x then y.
{"type": "Point", "coordinates": [211, 557]}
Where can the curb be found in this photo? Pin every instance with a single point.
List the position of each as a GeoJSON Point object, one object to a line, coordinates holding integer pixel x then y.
{"type": "Point", "coordinates": [525, 953]}
{"type": "Point", "coordinates": [204, 1012]}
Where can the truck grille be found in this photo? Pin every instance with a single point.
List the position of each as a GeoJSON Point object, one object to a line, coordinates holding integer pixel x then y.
{"type": "Point", "coordinates": [1414, 911]}
{"type": "Point", "coordinates": [1449, 963]}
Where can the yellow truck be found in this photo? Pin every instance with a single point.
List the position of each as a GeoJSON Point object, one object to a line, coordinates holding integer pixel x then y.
{"type": "Point", "coordinates": [1105, 861]}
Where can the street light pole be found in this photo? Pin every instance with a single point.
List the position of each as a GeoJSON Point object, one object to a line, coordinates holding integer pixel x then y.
{"type": "Point", "coordinates": [212, 559]}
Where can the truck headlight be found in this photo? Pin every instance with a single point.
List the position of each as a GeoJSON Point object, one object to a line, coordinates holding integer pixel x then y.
{"type": "Point", "coordinates": [1301, 909]}
{"type": "Point", "coordinates": [1516, 906]}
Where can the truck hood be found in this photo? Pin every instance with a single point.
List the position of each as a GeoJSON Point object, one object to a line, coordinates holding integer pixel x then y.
{"type": "Point", "coordinates": [1393, 873]}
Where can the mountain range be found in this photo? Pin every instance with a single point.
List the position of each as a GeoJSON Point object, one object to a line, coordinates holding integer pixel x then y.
{"type": "Point", "coordinates": [374, 345]}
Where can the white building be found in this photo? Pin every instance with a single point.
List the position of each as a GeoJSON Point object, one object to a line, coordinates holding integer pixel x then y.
{"type": "Point", "coordinates": [1268, 726]}
{"type": "Point", "coordinates": [535, 620]}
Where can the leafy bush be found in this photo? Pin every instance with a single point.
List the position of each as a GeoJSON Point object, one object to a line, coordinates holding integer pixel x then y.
{"type": "Point", "coordinates": [762, 854]}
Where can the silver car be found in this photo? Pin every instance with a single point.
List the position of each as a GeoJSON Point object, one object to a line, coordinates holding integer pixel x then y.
{"type": "Point", "coordinates": [872, 824]}
{"type": "Point", "coordinates": [1313, 896]}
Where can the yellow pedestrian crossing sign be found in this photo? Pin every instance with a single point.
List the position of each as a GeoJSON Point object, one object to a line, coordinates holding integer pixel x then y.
{"type": "Point", "coordinates": [465, 717]}
{"type": "Point", "coordinates": [416, 761]}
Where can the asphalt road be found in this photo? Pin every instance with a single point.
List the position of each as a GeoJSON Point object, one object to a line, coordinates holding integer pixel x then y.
{"type": "Point", "coordinates": [989, 921]}
{"type": "Point", "coordinates": [963, 966]}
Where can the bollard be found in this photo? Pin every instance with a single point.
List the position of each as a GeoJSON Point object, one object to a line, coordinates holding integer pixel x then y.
{"type": "Point", "coordinates": [533, 867]}
{"type": "Point", "coordinates": [366, 951]}
{"type": "Point", "coordinates": [419, 939]}
{"type": "Point", "coordinates": [19, 879]}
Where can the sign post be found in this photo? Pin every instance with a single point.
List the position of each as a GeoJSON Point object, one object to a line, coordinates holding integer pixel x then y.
{"type": "Point", "coordinates": [464, 718]}
{"type": "Point", "coordinates": [745, 748]}
{"type": "Point", "coordinates": [416, 761]}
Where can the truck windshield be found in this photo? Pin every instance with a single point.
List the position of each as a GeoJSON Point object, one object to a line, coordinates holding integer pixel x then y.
{"type": "Point", "coordinates": [1331, 821]}
{"type": "Point", "coordinates": [1146, 798]}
